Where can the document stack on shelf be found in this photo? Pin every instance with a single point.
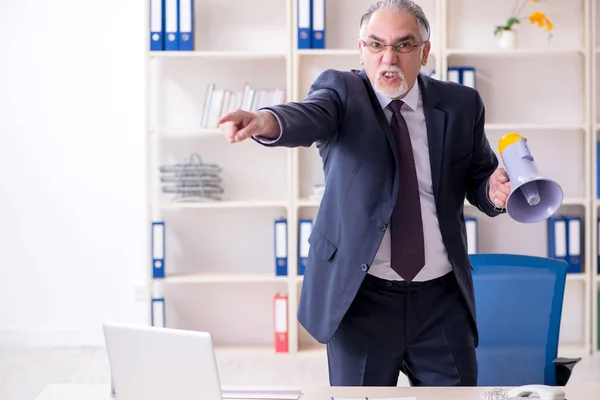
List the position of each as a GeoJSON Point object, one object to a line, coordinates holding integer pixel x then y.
{"type": "Point", "coordinates": [191, 180]}
{"type": "Point", "coordinates": [219, 102]}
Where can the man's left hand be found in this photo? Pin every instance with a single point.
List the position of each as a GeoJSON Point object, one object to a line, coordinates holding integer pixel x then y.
{"type": "Point", "coordinates": [499, 188]}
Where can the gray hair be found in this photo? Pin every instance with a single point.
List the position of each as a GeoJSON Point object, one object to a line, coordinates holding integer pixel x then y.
{"type": "Point", "coordinates": [407, 6]}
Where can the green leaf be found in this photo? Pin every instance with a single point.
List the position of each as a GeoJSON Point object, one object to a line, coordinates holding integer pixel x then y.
{"type": "Point", "coordinates": [511, 22]}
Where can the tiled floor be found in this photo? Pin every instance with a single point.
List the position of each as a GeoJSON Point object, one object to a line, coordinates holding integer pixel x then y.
{"type": "Point", "coordinates": [25, 372]}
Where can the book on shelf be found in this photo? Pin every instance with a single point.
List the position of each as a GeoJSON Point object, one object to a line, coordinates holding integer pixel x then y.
{"type": "Point", "coordinates": [219, 102]}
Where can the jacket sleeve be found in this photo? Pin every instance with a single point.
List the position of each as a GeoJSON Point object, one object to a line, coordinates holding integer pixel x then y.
{"type": "Point", "coordinates": [484, 163]}
{"type": "Point", "coordinates": [314, 119]}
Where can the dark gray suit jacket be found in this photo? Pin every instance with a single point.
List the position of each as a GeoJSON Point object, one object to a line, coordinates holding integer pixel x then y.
{"type": "Point", "coordinates": [342, 116]}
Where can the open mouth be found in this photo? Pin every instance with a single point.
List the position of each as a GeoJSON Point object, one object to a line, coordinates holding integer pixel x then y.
{"type": "Point", "coordinates": [390, 77]}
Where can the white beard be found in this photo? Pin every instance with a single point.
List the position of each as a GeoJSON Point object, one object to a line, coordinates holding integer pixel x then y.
{"type": "Point", "coordinates": [390, 91]}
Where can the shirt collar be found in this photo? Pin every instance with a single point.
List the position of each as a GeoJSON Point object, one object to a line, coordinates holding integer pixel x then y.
{"type": "Point", "coordinates": [411, 99]}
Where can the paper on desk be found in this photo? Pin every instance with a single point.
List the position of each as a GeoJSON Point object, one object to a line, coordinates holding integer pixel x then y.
{"type": "Point", "coordinates": [391, 398]}
{"type": "Point", "coordinates": [261, 394]}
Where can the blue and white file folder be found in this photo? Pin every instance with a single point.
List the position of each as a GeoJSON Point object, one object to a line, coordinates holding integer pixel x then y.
{"type": "Point", "coordinates": [564, 240]}
{"type": "Point", "coordinates": [305, 229]}
{"type": "Point", "coordinates": [471, 227]}
{"type": "Point", "coordinates": [157, 316]}
{"type": "Point", "coordinates": [157, 306]}
{"type": "Point", "coordinates": [311, 24]}
{"type": "Point", "coordinates": [171, 25]}
{"type": "Point", "coordinates": [318, 24]}
{"type": "Point", "coordinates": [464, 75]}
{"type": "Point", "coordinates": [281, 247]}
{"type": "Point", "coordinates": [158, 249]}
{"type": "Point", "coordinates": [157, 36]}
{"type": "Point", "coordinates": [304, 24]}
{"type": "Point", "coordinates": [185, 32]}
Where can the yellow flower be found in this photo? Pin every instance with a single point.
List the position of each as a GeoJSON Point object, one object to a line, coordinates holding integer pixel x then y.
{"type": "Point", "coordinates": [536, 17]}
{"type": "Point", "coordinates": [539, 18]}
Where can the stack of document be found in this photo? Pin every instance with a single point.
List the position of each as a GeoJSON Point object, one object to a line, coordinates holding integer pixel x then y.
{"type": "Point", "coordinates": [191, 180]}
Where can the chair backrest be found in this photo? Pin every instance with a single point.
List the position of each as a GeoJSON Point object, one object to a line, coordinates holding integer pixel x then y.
{"type": "Point", "coordinates": [518, 302]}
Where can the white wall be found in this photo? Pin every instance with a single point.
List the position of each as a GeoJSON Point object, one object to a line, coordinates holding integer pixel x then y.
{"type": "Point", "coordinates": [72, 177]}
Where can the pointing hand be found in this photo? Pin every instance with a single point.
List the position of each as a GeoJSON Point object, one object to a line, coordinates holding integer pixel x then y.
{"type": "Point", "coordinates": [240, 125]}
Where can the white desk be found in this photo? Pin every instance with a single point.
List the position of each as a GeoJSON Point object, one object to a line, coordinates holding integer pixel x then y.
{"type": "Point", "coordinates": [102, 392]}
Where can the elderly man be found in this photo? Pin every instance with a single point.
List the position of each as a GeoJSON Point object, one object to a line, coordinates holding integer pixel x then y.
{"type": "Point", "coordinates": [388, 285]}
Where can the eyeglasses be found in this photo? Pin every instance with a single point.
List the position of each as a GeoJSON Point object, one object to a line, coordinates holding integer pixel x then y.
{"type": "Point", "coordinates": [402, 47]}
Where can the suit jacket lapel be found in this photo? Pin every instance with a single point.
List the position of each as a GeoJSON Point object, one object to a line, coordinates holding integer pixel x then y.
{"type": "Point", "coordinates": [435, 119]}
{"type": "Point", "coordinates": [383, 122]}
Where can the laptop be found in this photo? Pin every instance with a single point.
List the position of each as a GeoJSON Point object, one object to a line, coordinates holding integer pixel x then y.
{"type": "Point", "coordinates": [155, 363]}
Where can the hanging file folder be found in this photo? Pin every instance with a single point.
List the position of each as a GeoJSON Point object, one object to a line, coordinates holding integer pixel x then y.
{"type": "Point", "coordinates": [186, 25]}
{"type": "Point", "coordinates": [305, 228]}
{"type": "Point", "coordinates": [281, 247]}
{"type": "Point", "coordinates": [318, 24]}
{"type": "Point", "coordinates": [156, 25]}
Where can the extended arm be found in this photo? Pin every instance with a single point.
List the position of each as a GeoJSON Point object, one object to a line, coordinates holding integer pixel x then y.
{"type": "Point", "coordinates": [315, 118]}
{"type": "Point", "coordinates": [483, 166]}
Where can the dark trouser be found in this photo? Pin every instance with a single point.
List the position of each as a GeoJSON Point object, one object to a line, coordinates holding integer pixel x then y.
{"type": "Point", "coordinates": [421, 329]}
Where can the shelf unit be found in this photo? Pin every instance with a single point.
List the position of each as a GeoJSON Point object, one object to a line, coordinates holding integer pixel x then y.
{"type": "Point", "coordinates": [594, 50]}
{"type": "Point", "coordinates": [219, 256]}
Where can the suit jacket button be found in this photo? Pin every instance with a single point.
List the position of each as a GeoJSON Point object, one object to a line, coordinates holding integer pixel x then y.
{"type": "Point", "coordinates": [364, 267]}
{"type": "Point", "coordinates": [381, 227]}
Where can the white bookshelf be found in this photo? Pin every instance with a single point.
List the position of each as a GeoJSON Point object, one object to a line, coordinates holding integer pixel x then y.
{"type": "Point", "coordinates": [594, 108]}
{"type": "Point", "coordinates": [220, 260]}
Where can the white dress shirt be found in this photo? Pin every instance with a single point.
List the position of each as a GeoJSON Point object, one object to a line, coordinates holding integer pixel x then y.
{"type": "Point", "coordinates": [436, 256]}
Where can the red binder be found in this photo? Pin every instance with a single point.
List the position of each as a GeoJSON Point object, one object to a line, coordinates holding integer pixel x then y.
{"type": "Point", "coordinates": [280, 322]}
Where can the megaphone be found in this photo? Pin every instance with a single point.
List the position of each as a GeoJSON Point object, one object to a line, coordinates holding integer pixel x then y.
{"type": "Point", "coordinates": [532, 197]}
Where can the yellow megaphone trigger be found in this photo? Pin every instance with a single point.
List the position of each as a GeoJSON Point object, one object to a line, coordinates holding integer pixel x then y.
{"type": "Point", "coordinates": [507, 140]}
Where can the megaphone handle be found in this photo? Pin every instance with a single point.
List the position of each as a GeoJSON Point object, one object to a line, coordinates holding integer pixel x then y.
{"type": "Point", "coordinates": [494, 205]}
